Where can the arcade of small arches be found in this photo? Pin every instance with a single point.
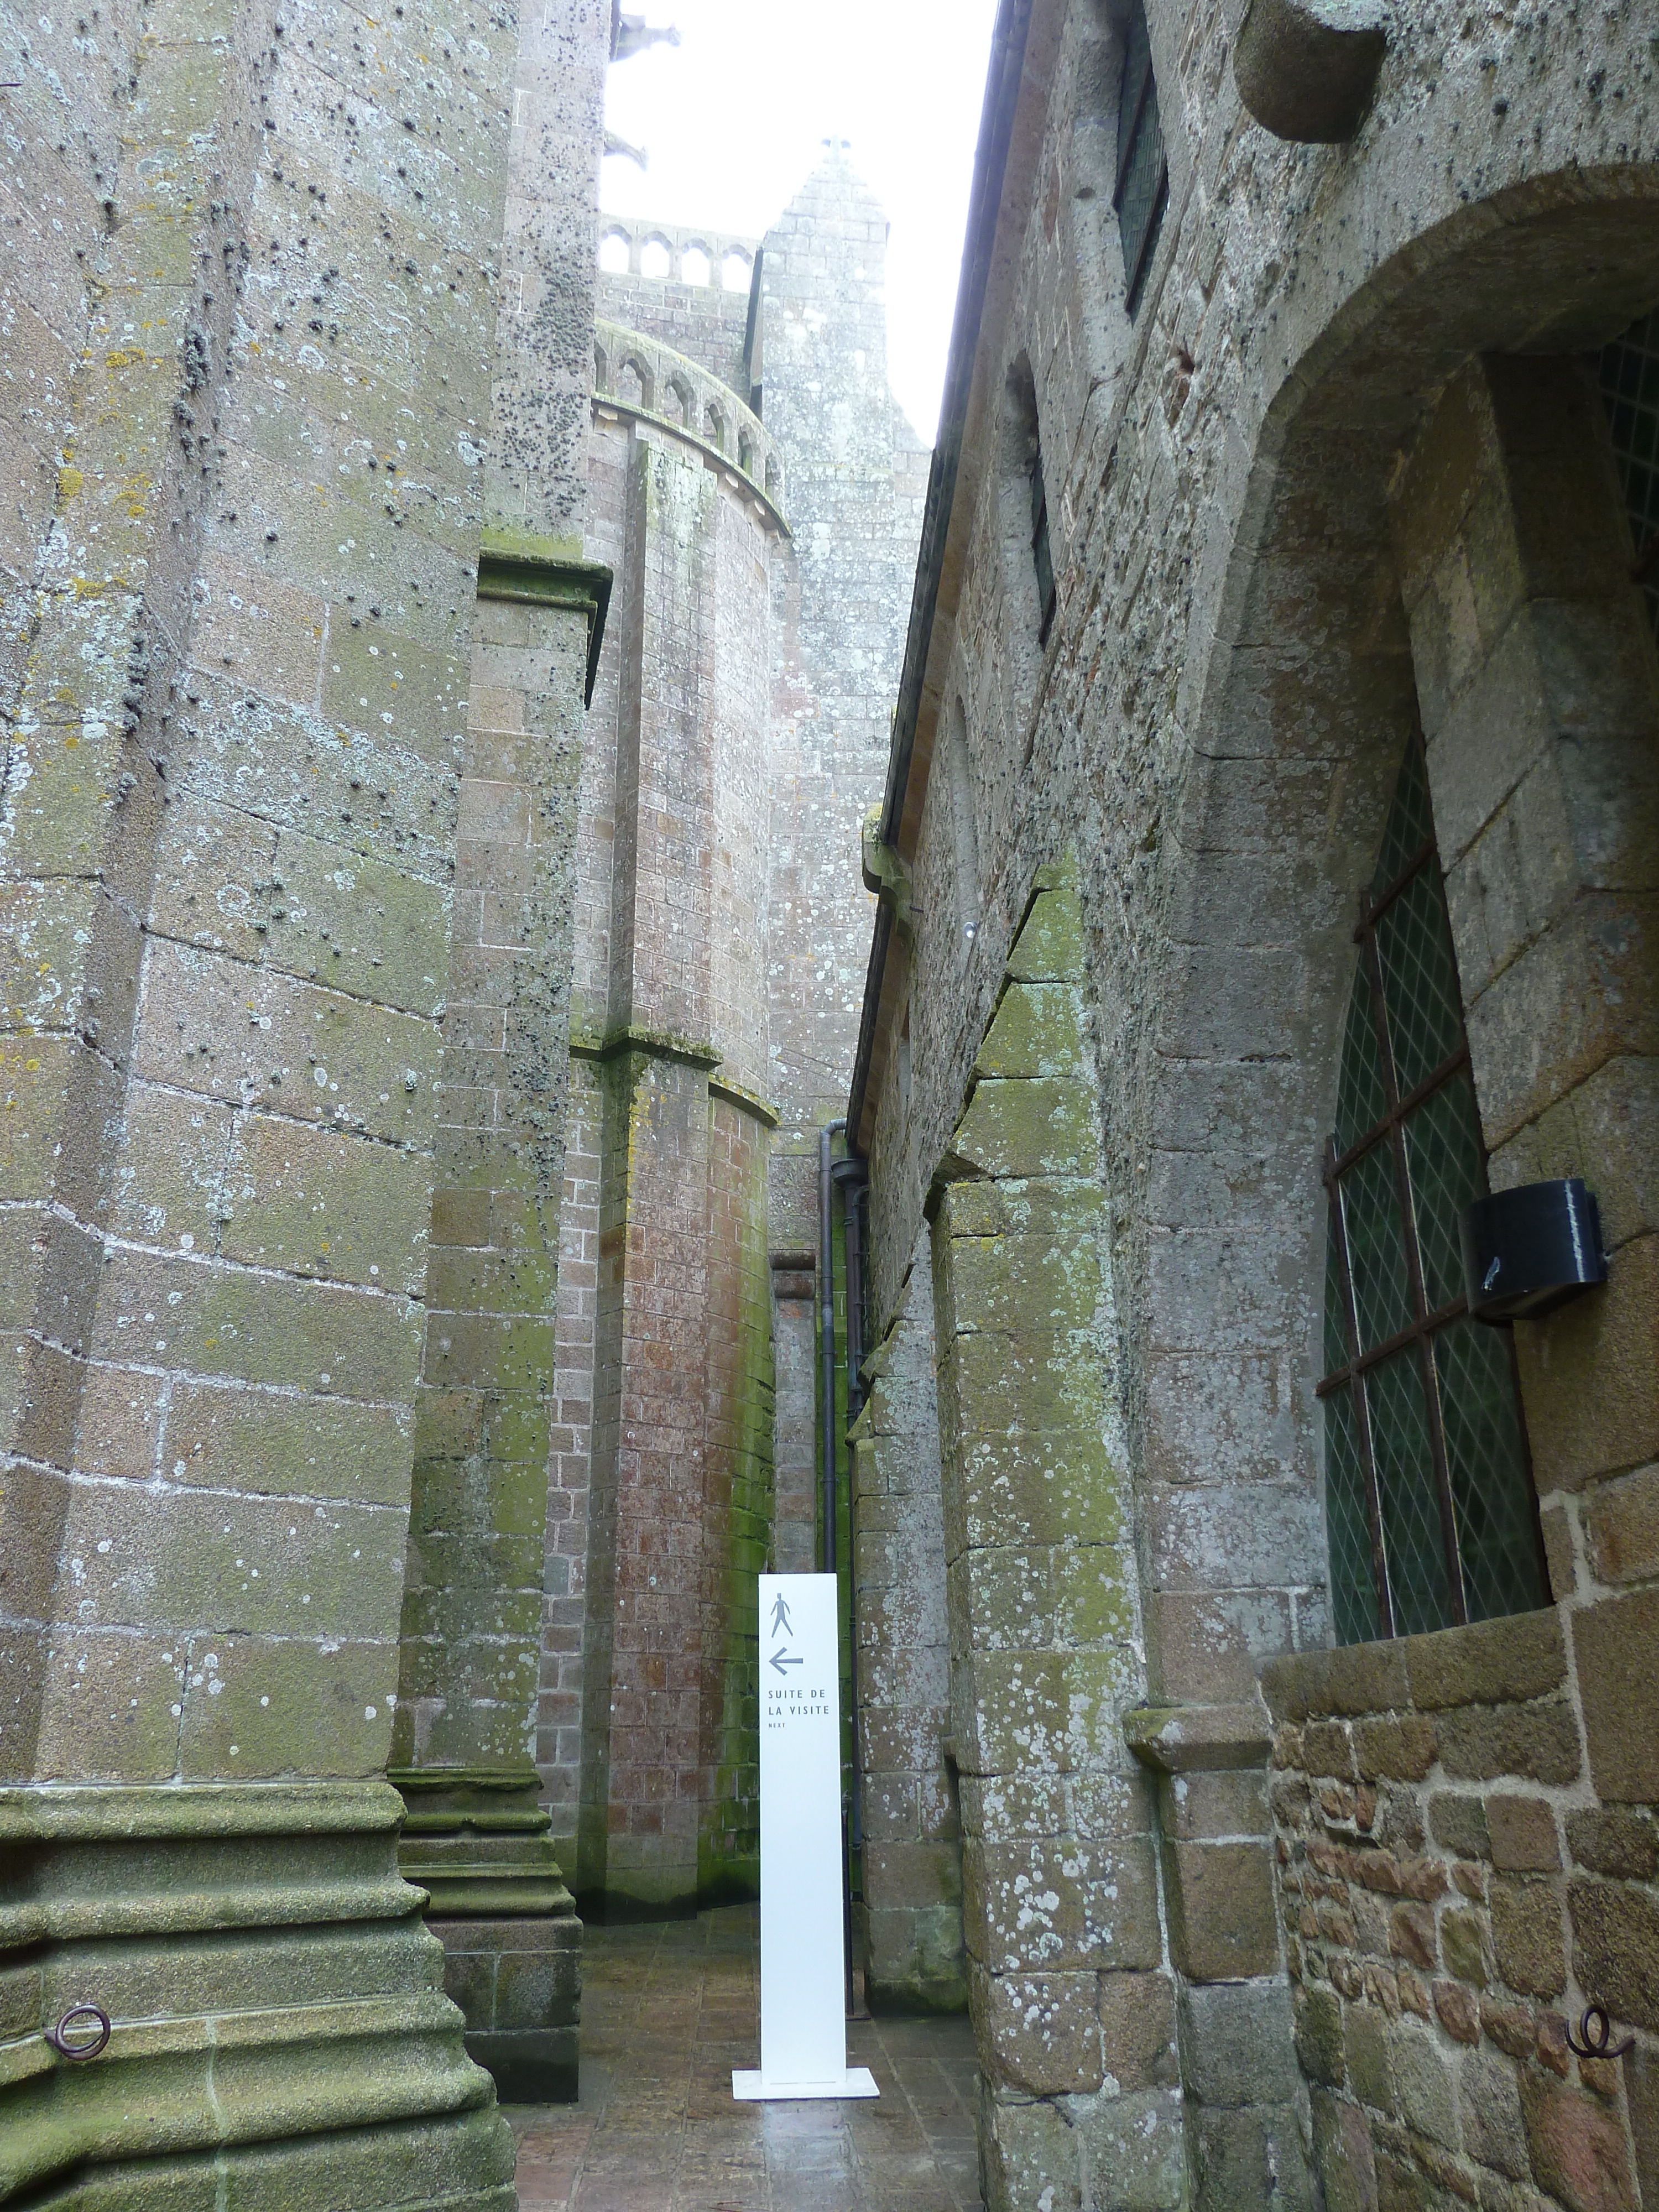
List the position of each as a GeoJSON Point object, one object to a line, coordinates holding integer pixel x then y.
{"type": "Point", "coordinates": [639, 376]}
{"type": "Point", "coordinates": [708, 259]}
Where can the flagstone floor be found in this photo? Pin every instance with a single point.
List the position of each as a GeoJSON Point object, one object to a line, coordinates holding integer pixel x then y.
{"type": "Point", "coordinates": [668, 2011]}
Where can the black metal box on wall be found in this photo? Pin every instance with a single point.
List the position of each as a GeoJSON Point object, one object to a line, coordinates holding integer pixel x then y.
{"type": "Point", "coordinates": [1528, 1250]}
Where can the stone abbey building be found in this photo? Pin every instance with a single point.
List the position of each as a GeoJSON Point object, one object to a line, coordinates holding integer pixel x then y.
{"type": "Point", "coordinates": [511, 742]}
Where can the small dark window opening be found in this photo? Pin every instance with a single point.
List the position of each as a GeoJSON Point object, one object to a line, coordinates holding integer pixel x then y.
{"type": "Point", "coordinates": [1143, 174]}
{"type": "Point", "coordinates": [1628, 374]}
{"type": "Point", "coordinates": [1428, 1485]}
{"type": "Point", "coordinates": [1040, 553]}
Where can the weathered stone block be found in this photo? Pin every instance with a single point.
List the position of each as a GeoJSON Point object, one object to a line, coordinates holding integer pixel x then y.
{"type": "Point", "coordinates": [1526, 1938]}
{"type": "Point", "coordinates": [1222, 1920]}
{"type": "Point", "coordinates": [1490, 1662]}
{"type": "Point", "coordinates": [1617, 1644]}
{"type": "Point", "coordinates": [1138, 2031]}
{"type": "Point", "coordinates": [1577, 2146]}
{"type": "Point", "coordinates": [1592, 1373]}
{"type": "Point", "coordinates": [1238, 2042]}
{"type": "Point", "coordinates": [1615, 1928]}
{"type": "Point", "coordinates": [1037, 1030]}
{"type": "Point", "coordinates": [1041, 2031]}
{"type": "Point", "coordinates": [1367, 2057]}
{"type": "Point", "coordinates": [1481, 1743]}
{"type": "Point", "coordinates": [1459, 1824]}
{"type": "Point", "coordinates": [1050, 1905]}
{"type": "Point", "coordinates": [1344, 2156]}
{"type": "Point", "coordinates": [1612, 1839]}
{"type": "Point", "coordinates": [1318, 2032]}
{"type": "Point", "coordinates": [1395, 1750]}
{"type": "Point", "coordinates": [1523, 1838]}
{"type": "Point", "coordinates": [1042, 1126]}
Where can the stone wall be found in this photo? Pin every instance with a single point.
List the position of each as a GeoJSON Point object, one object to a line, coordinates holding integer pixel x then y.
{"type": "Point", "coordinates": [252, 334]}
{"type": "Point", "coordinates": [1461, 1875]}
{"type": "Point", "coordinates": [1296, 501]}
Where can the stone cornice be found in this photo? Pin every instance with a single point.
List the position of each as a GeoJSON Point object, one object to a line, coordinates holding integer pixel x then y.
{"type": "Point", "coordinates": [657, 1044]}
{"type": "Point", "coordinates": [543, 572]}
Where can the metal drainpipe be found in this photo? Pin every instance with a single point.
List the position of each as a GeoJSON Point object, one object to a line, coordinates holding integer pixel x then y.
{"type": "Point", "coordinates": [852, 1175]}
{"type": "Point", "coordinates": [827, 1351]}
{"type": "Point", "coordinates": [827, 1434]}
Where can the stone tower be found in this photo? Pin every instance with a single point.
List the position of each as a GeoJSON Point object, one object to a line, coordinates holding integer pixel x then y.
{"type": "Point", "coordinates": [757, 496]}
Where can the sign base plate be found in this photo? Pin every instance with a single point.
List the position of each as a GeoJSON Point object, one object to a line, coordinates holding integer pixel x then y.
{"type": "Point", "coordinates": [749, 2087]}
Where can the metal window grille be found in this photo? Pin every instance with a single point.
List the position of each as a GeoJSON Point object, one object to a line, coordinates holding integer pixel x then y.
{"type": "Point", "coordinates": [1041, 555]}
{"type": "Point", "coordinates": [1428, 1486]}
{"type": "Point", "coordinates": [1143, 174]}
{"type": "Point", "coordinates": [1628, 373]}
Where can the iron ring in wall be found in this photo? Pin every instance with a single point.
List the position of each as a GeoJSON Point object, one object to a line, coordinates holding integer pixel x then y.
{"type": "Point", "coordinates": [76, 2018]}
{"type": "Point", "coordinates": [1596, 2028]}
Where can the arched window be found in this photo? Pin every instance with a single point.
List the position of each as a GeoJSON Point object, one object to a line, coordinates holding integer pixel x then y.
{"type": "Point", "coordinates": [1428, 1489]}
{"type": "Point", "coordinates": [695, 267]}
{"type": "Point", "coordinates": [1027, 489]}
{"type": "Point", "coordinates": [1142, 173]}
{"type": "Point", "coordinates": [713, 427]}
{"type": "Point", "coordinates": [745, 452]}
{"type": "Point", "coordinates": [655, 260]}
{"type": "Point", "coordinates": [678, 403]}
{"type": "Point", "coordinates": [735, 271]}
{"type": "Point", "coordinates": [614, 254]}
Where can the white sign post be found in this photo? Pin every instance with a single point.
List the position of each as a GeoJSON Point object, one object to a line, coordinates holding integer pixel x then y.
{"type": "Point", "coordinates": [803, 1953]}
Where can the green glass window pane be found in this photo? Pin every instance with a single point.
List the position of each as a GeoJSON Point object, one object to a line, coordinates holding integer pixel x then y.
{"type": "Point", "coordinates": [1495, 1542]}
{"type": "Point", "coordinates": [1629, 377]}
{"type": "Point", "coordinates": [1420, 981]}
{"type": "Point", "coordinates": [1336, 1319]}
{"type": "Point", "coordinates": [1410, 822]}
{"type": "Point", "coordinates": [1354, 1583]}
{"type": "Point", "coordinates": [1411, 1541]}
{"type": "Point", "coordinates": [1361, 1101]}
{"type": "Point", "coordinates": [1376, 1246]}
{"type": "Point", "coordinates": [1448, 1170]}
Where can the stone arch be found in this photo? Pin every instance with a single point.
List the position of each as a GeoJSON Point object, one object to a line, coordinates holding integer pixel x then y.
{"type": "Point", "coordinates": [656, 257]}
{"type": "Point", "coordinates": [737, 269]}
{"type": "Point", "coordinates": [601, 369]}
{"type": "Point", "coordinates": [714, 425]}
{"type": "Point", "coordinates": [678, 404]}
{"type": "Point", "coordinates": [745, 452]}
{"type": "Point", "coordinates": [635, 384]}
{"type": "Point", "coordinates": [615, 253]}
{"type": "Point", "coordinates": [774, 479]}
{"type": "Point", "coordinates": [1307, 703]}
{"type": "Point", "coordinates": [1324, 658]}
{"type": "Point", "coordinates": [1448, 370]}
{"type": "Point", "coordinates": [696, 265]}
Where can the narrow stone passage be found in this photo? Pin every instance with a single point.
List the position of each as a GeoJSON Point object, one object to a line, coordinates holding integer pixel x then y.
{"type": "Point", "coordinates": [668, 2011]}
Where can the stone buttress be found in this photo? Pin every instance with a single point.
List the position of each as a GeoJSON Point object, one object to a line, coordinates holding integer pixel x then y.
{"type": "Point", "coordinates": [475, 1836]}
{"type": "Point", "coordinates": [1069, 1977]}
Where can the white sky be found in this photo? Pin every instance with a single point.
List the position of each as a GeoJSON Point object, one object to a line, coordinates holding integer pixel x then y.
{"type": "Point", "coordinates": [734, 116]}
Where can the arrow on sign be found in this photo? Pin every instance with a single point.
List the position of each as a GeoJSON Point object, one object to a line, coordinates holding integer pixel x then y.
{"type": "Point", "coordinates": [781, 1662]}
